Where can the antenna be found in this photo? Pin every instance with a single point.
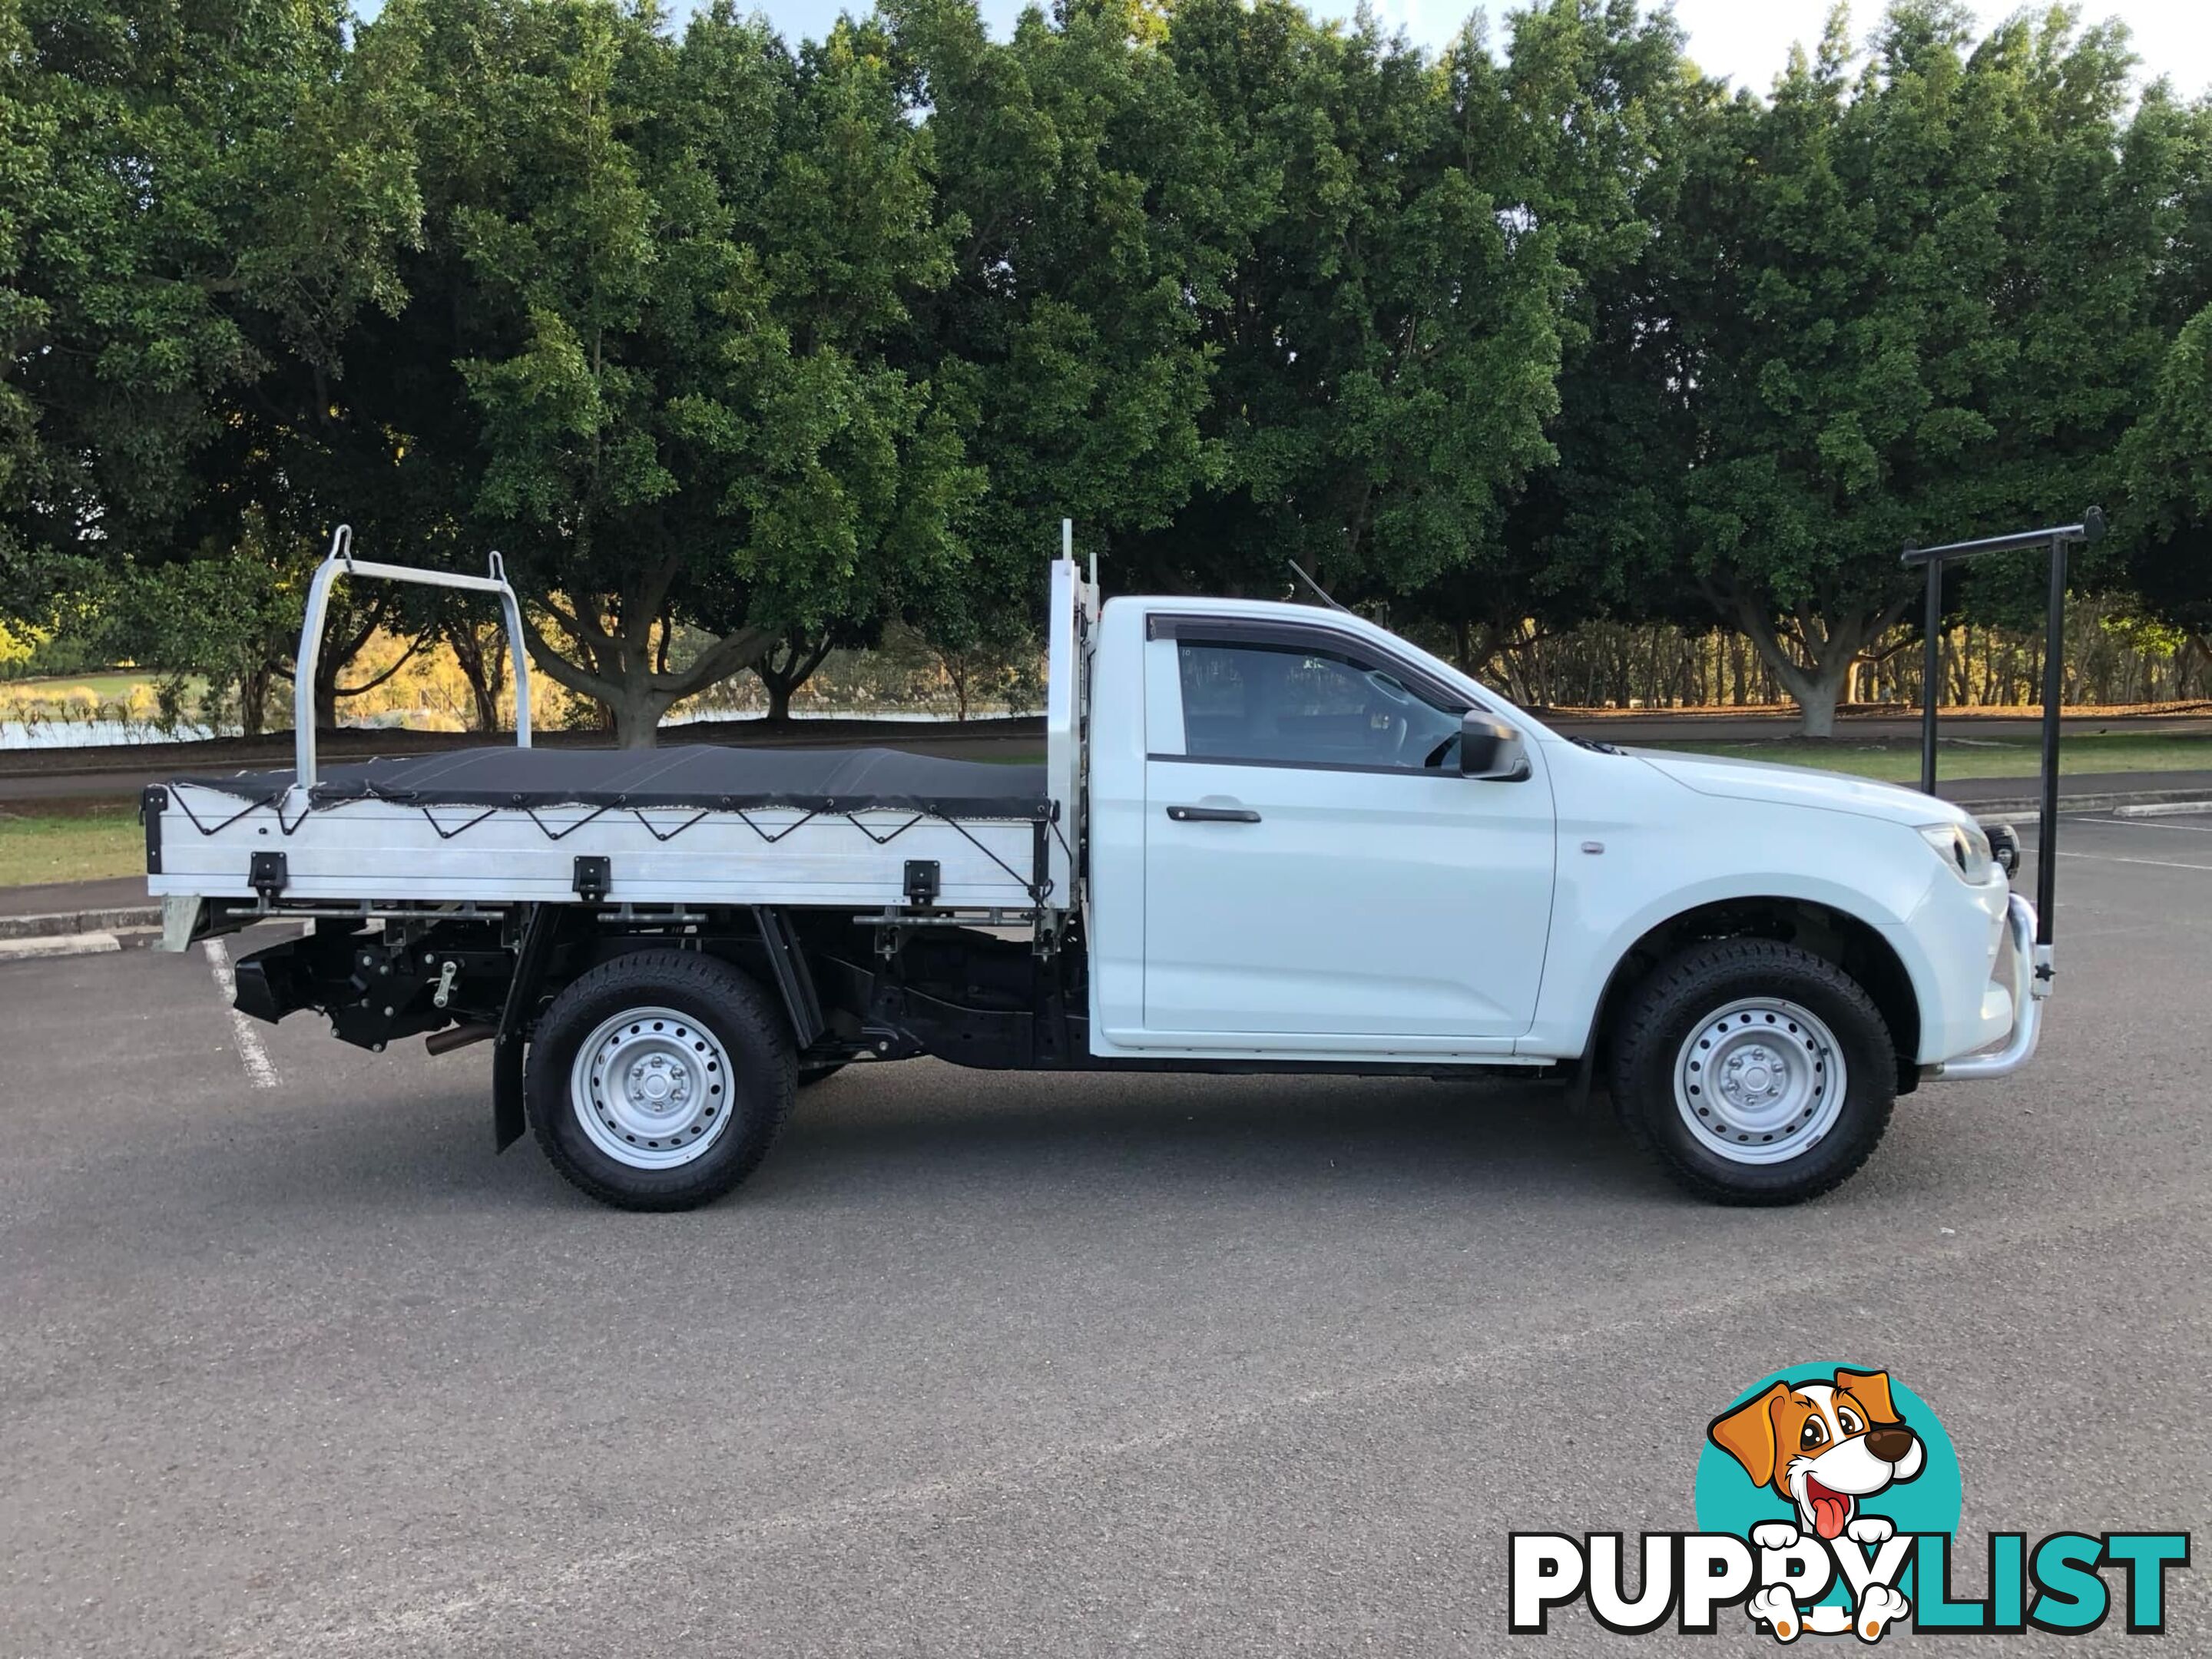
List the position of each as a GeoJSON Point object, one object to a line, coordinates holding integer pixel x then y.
{"type": "Point", "coordinates": [1327, 599]}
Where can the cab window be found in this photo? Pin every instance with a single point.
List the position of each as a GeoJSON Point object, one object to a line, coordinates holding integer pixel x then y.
{"type": "Point", "coordinates": [1291, 705]}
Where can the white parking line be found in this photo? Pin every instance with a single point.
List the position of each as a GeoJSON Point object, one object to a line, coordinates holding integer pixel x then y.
{"type": "Point", "coordinates": [59, 945]}
{"type": "Point", "coordinates": [2107, 858]}
{"type": "Point", "coordinates": [2157, 824]}
{"type": "Point", "coordinates": [260, 1070]}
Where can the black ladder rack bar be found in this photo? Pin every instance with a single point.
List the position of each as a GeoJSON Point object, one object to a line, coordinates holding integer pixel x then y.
{"type": "Point", "coordinates": [2057, 538]}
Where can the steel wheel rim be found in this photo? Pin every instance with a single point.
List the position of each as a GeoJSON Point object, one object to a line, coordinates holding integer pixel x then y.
{"type": "Point", "coordinates": [651, 1088]}
{"type": "Point", "coordinates": [1761, 1080]}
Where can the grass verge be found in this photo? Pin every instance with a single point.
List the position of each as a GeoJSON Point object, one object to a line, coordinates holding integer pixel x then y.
{"type": "Point", "coordinates": [89, 844]}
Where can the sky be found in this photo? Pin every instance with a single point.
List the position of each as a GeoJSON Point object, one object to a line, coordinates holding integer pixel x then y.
{"type": "Point", "coordinates": [1747, 40]}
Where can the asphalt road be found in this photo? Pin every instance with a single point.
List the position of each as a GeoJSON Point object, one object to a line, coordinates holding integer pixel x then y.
{"type": "Point", "coordinates": [978, 1364]}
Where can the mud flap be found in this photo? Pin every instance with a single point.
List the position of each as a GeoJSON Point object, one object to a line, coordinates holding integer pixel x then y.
{"type": "Point", "coordinates": [1585, 1074]}
{"type": "Point", "coordinates": [541, 927]}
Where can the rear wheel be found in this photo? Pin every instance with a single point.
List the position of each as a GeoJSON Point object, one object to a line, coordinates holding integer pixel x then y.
{"type": "Point", "coordinates": [658, 1080]}
{"type": "Point", "coordinates": [1756, 1072]}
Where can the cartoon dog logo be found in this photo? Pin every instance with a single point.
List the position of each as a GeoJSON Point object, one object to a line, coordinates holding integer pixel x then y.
{"type": "Point", "coordinates": [1824, 1446]}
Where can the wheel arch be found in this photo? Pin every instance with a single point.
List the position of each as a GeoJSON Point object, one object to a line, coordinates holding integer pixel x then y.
{"type": "Point", "coordinates": [1852, 943]}
{"type": "Point", "coordinates": [762, 942]}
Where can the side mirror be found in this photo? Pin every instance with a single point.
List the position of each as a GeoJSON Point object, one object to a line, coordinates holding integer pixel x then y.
{"type": "Point", "coordinates": [2004, 847]}
{"type": "Point", "coordinates": [1490, 750]}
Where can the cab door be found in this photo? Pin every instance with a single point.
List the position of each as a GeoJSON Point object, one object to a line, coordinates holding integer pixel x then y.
{"type": "Point", "coordinates": [1314, 865]}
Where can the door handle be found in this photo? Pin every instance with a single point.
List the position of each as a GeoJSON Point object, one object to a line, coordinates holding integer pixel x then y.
{"type": "Point", "coordinates": [1213, 815]}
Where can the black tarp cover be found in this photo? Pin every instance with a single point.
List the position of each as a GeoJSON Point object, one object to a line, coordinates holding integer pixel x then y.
{"type": "Point", "coordinates": [697, 777]}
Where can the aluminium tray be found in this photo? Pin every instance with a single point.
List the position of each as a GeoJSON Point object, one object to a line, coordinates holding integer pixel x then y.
{"type": "Point", "coordinates": [695, 825]}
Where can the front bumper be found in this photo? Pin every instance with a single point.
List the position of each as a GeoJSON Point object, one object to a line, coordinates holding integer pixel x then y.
{"type": "Point", "coordinates": [2025, 970]}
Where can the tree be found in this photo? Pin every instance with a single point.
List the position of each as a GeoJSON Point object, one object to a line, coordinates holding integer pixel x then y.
{"type": "Point", "coordinates": [792, 660]}
{"type": "Point", "coordinates": [2169, 456]}
{"type": "Point", "coordinates": [1605, 110]}
{"type": "Point", "coordinates": [666, 275]}
{"type": "Point", "coordinates": [2096, 209]}
{"type": "Point", "coordinates": [2165, 530]}
{"type": "Point", "coordinates": [481, 655]}
{"type": "Point", "coordinates": [740, 352]}
{"type": "Point", "coordinates": [1092, 211]}
{"type": "Point", "coordinates": [27, 139]}
{"type": "Point", "coordinates": [230, 618]}
{"type": "Point", "coordinates": [786, 667]}
{"type": "Point", "coordinates": [1909, 308]}
{"type": "Point", "coordinates": [192, 195]}
{"type": "Point", "coordinates": [1386, 340]}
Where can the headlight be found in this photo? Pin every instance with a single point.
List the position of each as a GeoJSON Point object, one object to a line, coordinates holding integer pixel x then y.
{"type": "Point", "coordinates": [1964, 848]}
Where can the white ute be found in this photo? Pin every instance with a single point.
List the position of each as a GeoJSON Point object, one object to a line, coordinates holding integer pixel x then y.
{"type": "Point", "coordinates": [1266, 837]}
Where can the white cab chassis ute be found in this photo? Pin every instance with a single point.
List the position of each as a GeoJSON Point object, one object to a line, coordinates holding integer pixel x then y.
{"type": "Point", "coordinates": [1266, 837]}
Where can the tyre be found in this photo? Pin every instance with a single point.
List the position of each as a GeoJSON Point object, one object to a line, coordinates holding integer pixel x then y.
{"type": "Point", "coordinates": [658, 1080]}
{"type": "Point", "coordinates": [1755, 1073]}
{"type": "Point", "coordinates": [812, 1074]}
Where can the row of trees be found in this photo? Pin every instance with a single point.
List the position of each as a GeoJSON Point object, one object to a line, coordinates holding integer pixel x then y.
{"type": "Point", "coordinates": [739, 351]}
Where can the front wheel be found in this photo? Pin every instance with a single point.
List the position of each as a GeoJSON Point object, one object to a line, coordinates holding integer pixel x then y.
{"type": "Point", "coordinates": [1756, 1072]}
{"type": "Point", "coordinates": [657, 1080]}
